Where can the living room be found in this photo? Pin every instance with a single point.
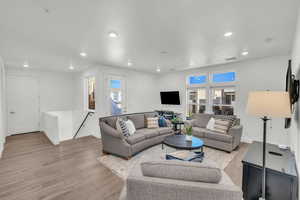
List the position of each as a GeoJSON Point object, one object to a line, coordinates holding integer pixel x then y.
{"type": "Point", "coordinates": [65, 75]}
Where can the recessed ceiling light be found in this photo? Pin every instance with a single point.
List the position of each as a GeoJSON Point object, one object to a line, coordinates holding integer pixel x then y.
{"type": "Point", "coordinates": [244, 53]}
{"type": "Point", "coordinates": [129, 63]}
{"type": "Point", "coordinates": [71, 67]}
{"type": "Point", "coordinates": [158, 69]}
{"type": "Point", "coordinates": [228, 34]}
{"type": "Point", "coordinates": [113, 34]}
{"type": "Point", "coordinates": [83, 54]}
{"type": "Point", "coordinates": [25, 65]}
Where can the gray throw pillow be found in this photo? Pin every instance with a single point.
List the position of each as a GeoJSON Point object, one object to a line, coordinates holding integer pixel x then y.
{"type": "Point", "coordinates": [181, 170]}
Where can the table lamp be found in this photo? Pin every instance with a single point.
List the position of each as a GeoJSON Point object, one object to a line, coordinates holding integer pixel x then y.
{"type": "Point", "coordinates": [268, 104]}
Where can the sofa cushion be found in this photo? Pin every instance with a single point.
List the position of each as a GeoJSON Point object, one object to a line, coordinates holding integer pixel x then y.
{"type": "Point", "coordinates": [198, 132]}
{"type": "Point", "coordinates": [201, 120]}
{"type": "Point", "coordinates": [213, 135]}
{"type": "Point", "coordinates": [188, 171]}
{"type": "Point", "coordinates": [135, 138]}
{"type": "Point", "coordinates": [148, 133]}
{"type": "Point", "coordinates": [138, 120]}
{"type": "Point", "coordinates": [164, 130]}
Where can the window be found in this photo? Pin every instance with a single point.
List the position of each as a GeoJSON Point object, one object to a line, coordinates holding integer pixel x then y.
{"type": "Point", "coordinates": [223, 77]}
{"type": "Point", "coordinates": [91, 82]}
{"type": "Point", "coordinates": [197, 79]}
{"type": "Point", "coordinates": [223, 100]}
{"type": "Point", "coordinates": [197, 100]}
{"type": "Point", "coordinates": [216, 95]}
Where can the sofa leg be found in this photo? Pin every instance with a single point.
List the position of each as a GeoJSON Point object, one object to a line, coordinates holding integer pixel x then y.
{"type": "Point", "coordinates": [105, 153]}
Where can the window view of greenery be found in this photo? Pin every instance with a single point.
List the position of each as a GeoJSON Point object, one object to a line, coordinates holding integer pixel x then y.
{"type": "Point", "coordinates": [91, 93]}
{"type": "Point", "coordinates": [223, 101]}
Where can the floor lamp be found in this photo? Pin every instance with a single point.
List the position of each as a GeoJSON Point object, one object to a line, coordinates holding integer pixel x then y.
{"type": "Point", "coordinates": [268, 104]}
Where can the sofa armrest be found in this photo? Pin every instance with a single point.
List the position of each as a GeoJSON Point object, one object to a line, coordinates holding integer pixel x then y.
{"type": "Point", "coordinates": [236, 133]}
{"type": "Point", "coordinates": [108, 130]}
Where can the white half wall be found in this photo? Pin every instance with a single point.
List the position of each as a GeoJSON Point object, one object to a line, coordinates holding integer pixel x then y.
{"type": "Point", "coordinates": [141, 95]}
{"type": "Point", "coordinates": [260, 74]}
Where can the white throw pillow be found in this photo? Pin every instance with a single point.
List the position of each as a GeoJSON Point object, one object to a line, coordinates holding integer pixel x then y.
{"type": "Point", "coordinates": [211, 124]}
{"type": "Point", "coordinates": [130, 126]}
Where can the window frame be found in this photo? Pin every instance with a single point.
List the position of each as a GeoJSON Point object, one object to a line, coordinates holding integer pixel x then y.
{"type": "Point", "coordinates": [210, 86]}
{"type": "Point", "coordinates": [211, 104]}
{"type": "Point", "coordinates": [199, 104]}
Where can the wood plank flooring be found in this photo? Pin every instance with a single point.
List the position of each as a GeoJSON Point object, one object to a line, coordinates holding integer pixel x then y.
{"type": "Point", "coordinates": [32, 168]}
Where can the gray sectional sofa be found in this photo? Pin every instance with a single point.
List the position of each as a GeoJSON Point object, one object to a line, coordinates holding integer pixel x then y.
{"type": "Point", "coordinates": [114, 142]}
{"type": "Point", "coordinates": [227, 142]}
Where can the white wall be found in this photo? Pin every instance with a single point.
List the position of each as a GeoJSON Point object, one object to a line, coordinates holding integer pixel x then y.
{"type": "Point", "coordinates": [140, 88]}
{"type": "Point", "coordinates": [3, 126]}
{"type": "Point", "coordinates": [55, 88]}
{"type": "Point", "coordinates": [259, 74]}
{"type": "Point", "coordinates": [295, 129]}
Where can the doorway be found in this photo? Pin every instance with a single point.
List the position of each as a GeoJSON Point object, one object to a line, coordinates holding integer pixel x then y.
{"type": "Point", "coordinates": [117, 95]}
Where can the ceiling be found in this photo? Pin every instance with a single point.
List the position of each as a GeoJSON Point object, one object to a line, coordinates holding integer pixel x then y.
{"type": "Point", "coordinates": [171, 34]}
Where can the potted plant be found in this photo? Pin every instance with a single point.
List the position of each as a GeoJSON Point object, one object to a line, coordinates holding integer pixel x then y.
{"type": "Point", "coordinates": [188, 133]}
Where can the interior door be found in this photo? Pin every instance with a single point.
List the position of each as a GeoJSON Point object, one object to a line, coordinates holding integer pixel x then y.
{"type": "Point", "coordinates": [22, 104]}
{"type": "Point", "coordinates": [117, 95]}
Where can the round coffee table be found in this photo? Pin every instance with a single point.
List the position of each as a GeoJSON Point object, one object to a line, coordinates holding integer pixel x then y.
{"type": "Point", "coordinates": [180, 143]}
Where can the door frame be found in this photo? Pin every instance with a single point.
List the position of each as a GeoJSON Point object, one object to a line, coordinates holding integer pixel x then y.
{"type": "Point", "coordinates": [123, 79]}
{"type": "Point", "coordinates": [39, 97]}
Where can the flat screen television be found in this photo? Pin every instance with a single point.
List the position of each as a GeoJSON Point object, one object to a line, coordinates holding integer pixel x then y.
{"type": "Point", "coordinates": [170, 98]}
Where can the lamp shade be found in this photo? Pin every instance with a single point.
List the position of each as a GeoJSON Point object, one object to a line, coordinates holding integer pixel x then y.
{"type": "Point", "coordinates": [269, 104]}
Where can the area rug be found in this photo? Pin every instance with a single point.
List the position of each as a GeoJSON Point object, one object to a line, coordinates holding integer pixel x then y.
{"type": "Point", "coordinates": [121, 167]}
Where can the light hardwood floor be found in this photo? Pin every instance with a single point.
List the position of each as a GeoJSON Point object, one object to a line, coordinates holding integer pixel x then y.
{"type": "Point", "coordinates": [32, 168]}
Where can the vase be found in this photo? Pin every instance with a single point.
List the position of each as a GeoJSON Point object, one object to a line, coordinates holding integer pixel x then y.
{"type": "Point", "coordinates": [188, 138]}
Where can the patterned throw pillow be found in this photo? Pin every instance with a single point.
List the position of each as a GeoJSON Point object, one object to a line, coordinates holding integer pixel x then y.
{"type": "Point", "coordinates": [152, 122]}
{"type": "Point", "coordinates": [122, 127]}
{"type": "Point", "coordinates": [230, 118]}
{"type": "Point", "coordinates": [222, 125]}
